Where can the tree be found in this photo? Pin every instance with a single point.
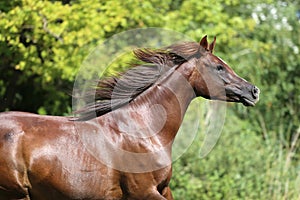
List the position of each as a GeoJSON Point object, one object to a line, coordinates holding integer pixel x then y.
{"type": "Point", "coordinates": [43, 44]}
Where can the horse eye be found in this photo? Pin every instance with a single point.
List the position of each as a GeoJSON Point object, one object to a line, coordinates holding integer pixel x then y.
{"type": "Point", "coordinates": [220, 68]}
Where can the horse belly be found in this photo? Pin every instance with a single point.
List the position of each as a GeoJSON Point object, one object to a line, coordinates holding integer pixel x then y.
{"type": "Point", "coordinates": [87, 185]}
{"type": "Point", "coordinates": [51, 190]}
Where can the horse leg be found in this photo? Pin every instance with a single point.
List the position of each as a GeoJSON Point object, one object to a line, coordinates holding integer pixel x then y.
{"type": "Point", "coordinates": [155, 195]}
{"type": "Point", "coordinates": [26, 198]}
{"type": "Point", "coordinates": [167, 193]}
{"type": "Point", "coordinates": [13, 196]}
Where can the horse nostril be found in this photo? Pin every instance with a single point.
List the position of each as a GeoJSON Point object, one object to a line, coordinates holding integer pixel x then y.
{"type": "Point", "coordinates": [255, 92]}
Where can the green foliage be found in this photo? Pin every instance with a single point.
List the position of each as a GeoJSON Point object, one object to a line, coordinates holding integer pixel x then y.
{"type": "Point", "coordinates": [43, 43]}
{"type": "Point", "coordinates": [274, 63]}
{"type": "Point", "coordinates": [241, 166]}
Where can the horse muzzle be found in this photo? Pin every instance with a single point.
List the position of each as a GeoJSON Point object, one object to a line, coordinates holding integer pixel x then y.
{"type": "Point", "coordinates": [250, 96]}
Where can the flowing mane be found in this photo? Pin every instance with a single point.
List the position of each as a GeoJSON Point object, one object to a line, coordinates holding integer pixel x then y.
{"type": "Point", "coordinates": [116, 91]}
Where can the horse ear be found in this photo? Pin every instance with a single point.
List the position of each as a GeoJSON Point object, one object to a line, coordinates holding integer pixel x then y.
{"type": "Point", "coordinates": [212, 45]}
{"type": "Point", "coordinates": [204, 43]}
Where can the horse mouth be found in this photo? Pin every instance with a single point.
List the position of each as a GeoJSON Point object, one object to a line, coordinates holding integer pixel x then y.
{"type": "Point", "coordinates": [249, 102]}
{"type": "Point", "coordinates": [248, 98]}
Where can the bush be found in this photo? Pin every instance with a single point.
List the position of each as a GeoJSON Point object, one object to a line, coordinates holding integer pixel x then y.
{"type": "Point", "coordinates": [241, 166]}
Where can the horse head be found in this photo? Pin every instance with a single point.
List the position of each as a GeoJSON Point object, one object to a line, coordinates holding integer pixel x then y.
{"type": "Point", "coordinates": [212, 78]}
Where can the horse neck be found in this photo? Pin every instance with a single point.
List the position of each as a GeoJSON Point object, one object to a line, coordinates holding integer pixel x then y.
{"type": "Point", "coordinates": [167, 101]}
{"type": "Point", "coordinates": [152, 119]}
{"type": "Point", "coordinates": [177, 89]}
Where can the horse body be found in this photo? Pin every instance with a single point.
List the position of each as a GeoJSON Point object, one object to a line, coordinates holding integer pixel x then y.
{"type": "Point", "coordinates": [49, 157]}
{"type": "Point", "coordinates": [43, 164]}
{"type": "Point", "coordinates": [122, 154]}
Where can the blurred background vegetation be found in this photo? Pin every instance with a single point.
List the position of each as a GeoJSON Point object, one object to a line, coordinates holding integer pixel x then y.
{"type": "Point", "coordinates": [43, 43]}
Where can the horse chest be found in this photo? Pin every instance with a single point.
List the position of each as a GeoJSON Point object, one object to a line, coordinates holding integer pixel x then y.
{"type": "Point", "coordinates": [143, 184]}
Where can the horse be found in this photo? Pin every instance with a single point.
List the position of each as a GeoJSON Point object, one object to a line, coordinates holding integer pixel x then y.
{"type": "Point", "coordinates": [119, 146]}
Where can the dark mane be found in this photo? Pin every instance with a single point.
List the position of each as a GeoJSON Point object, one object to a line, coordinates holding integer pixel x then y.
{"type": "Point", "coordinates": [116, 91]}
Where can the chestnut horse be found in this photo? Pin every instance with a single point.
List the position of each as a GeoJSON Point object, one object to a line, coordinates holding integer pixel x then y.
{"type": "Point", "coordinates": [120, 145]}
